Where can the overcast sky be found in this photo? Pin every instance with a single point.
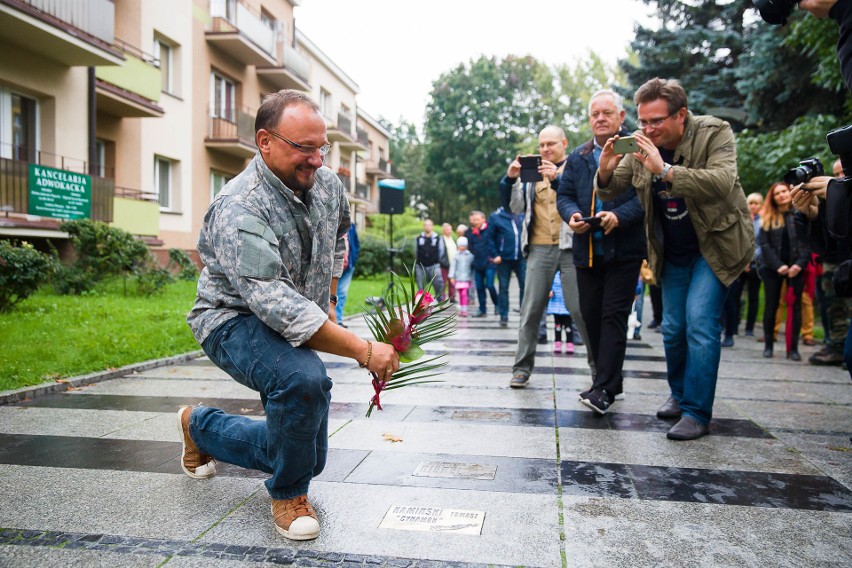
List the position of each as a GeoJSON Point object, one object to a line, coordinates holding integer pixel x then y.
{"type": "Point", "coordinates": [395, 49]}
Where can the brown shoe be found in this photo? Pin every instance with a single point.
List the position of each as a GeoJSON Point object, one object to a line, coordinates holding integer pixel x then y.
{"type": "Point", "coordinates": [809, 341]}
{"type": "Point", "coordinates": [295, 518]}
{"type": "Point", "coordinates": [192, 461]}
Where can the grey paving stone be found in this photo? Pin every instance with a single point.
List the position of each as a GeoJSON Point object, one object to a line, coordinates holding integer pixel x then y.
{"type": "Point", "coordinates": [648, 533]}
{"type": "Point", "coordinates": [709, 452]}
{"type": "Point", "coordinates": [350, 521]}
{"type": "Point", "coordinates": [67, 422]}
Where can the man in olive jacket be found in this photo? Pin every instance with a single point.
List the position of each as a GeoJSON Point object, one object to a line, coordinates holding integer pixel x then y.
{"type": "Point", "coordinates": [699, 235]}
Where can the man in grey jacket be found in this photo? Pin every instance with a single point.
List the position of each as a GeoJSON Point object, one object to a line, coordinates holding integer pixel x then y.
{"type": "Point", "coordinates": [272, 246]}
{"type": "Point", "coordinates": [700, 236]}
{"type": "Point", "coordinates": [546, 242]}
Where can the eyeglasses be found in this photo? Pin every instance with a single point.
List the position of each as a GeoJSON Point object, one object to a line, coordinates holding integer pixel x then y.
{"type": "Point", "coordinates": [654, 122]}
{"type": "Point", "coordinates": [304, 149]}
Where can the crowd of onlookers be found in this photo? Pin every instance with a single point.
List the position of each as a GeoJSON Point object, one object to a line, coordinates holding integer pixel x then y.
{"type": "Point", "coordinates": [587, 232]}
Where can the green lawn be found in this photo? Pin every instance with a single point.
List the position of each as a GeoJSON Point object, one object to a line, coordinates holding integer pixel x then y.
{"type": "Point", "coordinates": [49, 336]}
{"type": "Point", "coordinates": [361, 288]}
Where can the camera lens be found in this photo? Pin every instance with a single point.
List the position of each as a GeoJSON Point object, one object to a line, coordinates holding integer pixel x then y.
{"type": "Point", "coordinates": [797, 175]}
{"type": "Point", "coordinates": [774, 12]}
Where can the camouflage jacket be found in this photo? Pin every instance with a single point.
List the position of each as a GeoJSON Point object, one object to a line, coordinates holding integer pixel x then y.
{"type": "Point", "coordinates": [268, 253]}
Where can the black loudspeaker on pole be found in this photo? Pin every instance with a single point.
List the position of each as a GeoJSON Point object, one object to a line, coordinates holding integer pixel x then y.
{"type": "Point", "coordinates": [391, 200]}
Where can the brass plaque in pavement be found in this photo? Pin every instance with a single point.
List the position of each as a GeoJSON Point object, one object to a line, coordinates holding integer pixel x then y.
{"type": "Point", "coordinates": [456, 470]}
{"type": "Point", "coordinates": [480, 415]}
{"type": "Point", "coordinates": [433, 519]}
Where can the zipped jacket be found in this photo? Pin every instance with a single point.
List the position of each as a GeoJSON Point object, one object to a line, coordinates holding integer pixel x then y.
{"type": "Point", "coordinates": [706, 177]}
{"type": "Point", "coordinates": [577, 195]}
{"type": "Point", "coordinates": [506, 232]}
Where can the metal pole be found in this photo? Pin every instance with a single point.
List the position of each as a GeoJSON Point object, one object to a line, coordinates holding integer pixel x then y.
{"type": "Point", "coordinates": [93, 109]}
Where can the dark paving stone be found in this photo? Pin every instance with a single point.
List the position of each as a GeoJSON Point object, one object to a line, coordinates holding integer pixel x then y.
{"type": "Point", "coordinates": [650, 423]}
{"type": "Point", "coordinates": [744, 488]}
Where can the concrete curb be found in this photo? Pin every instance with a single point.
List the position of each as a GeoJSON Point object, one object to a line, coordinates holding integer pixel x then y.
{"type": "Point", "coordinates": [24, 393]}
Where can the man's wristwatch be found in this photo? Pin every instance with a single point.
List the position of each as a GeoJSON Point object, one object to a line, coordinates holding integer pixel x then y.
{"type": "Point", "coordinates": [333, 299]}
{"type": "Point", "coordinates": [664, 173]}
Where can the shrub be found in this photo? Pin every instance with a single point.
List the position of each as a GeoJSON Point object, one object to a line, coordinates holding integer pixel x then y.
{"type": "Point", "coordinates": [22, 270]}
{"type": "Point", "coordinates": [373, 256]}
{"type": "Point", "coordinates": [103, 250]}
{"type": "Point", "coordinates": [73, 280]}
{"type": "Point", "coordinates": [152, 279]}
{"type": "Point", "coordinates": [186, 269]}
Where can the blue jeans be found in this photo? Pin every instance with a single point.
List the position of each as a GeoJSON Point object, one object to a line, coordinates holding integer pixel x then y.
{"type": "Point", "coordinates": [693, 298]}
{"type": "Point", "coordinates": [485, 279]}
{"type": "Point", "coordinates": [292, 443]}
{"type": "Point", "coordinates": [343, 290]}
{"type": "Point", "coordinates": [504, 276]}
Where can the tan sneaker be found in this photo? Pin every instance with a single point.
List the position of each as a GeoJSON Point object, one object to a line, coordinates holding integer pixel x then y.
{"type": "Point", "coordinates": [192, 461]}
{"type": "Point", "coordinates": [295, 518]}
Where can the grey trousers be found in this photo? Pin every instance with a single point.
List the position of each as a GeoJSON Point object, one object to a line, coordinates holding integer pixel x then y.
{"type": "Point", "coordinates": [542, 264]}
{"type": "Point", "coordinates": [423, 275]}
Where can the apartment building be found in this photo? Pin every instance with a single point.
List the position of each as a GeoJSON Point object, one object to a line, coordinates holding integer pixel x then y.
{"type": "Point", "coordinates": [151, 105]}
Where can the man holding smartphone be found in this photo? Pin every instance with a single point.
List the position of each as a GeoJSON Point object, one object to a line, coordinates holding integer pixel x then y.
{"type": "Point", "coordinates": [700, 236]}
{"type": "Point", "coordinates": [546, 242]}
{"type": "Point", "coordinates": [609, 245]}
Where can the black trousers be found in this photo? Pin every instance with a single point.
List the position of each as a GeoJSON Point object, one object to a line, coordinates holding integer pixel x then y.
{"type": "Point", "coordinates": [656, 294]}
{"type": "Point", "coordinates": [753, 283]}
{"type": "Point", "coordinates": [606, 297]}
{"type": "Point", "coordinates": [772, 283]}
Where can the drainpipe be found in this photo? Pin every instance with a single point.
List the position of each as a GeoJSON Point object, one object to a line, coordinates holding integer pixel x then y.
{"type": "Point", "coordinates": [93, 152]}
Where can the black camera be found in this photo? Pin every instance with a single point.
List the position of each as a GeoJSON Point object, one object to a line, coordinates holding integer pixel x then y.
{"type": "Point", "coordinates": [775, 12]}
{"type": "Point", "coordinates": [804, 172]}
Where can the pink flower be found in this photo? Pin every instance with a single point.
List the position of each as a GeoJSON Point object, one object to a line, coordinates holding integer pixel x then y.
{"type": "Point", "coordinates": [399, 335]}
{"type": "Point", "coordinates": [422, 301]}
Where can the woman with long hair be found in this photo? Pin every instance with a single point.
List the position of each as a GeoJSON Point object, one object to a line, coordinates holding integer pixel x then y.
{"type": "Point", "coordinates": [783, 258]}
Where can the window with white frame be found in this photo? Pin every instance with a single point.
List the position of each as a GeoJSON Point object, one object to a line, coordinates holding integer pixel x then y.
{"type": "Point", "coordinates": [325, 102]}
{"type": "Point", "coordinates": [217, 182]}
{"type": "Point", "coordinates": [164, 52]}
{"type": "Point", "coordinates": [222, 97]}
{"type": "Point", "coordinates": [163, 183]}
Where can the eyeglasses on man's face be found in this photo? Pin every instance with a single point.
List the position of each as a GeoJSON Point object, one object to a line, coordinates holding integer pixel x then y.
{"type": "Point", "coordinates": [654, 122]}
{"type": "Point", "coordinates": [304, 149]}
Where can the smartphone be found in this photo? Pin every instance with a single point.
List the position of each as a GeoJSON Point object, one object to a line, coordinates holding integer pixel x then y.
{"type": "Point", "coordinates": [625, 145]}
{"type": "Point", "coordinates": [593, 221]}
{"type": "Point", "coordinates": [529, 168]}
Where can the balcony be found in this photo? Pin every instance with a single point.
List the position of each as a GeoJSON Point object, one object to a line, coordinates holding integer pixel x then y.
{"type": "Point", "coordinates": [131, 90]}
{"type": "Point", "coordinates": [293, 74]}
{"type": "Point", "coordinates": [239, 33]}
{"type": "Point", "coordinates": [232, 133]}
{"type": "Point", "coordinates": [341, 133]}
{"type": "Point", "coordinates": [15, 191]}
{"type": "Point", "coordinates": [136, 211]}
{"type": "Point", "coordinates": [382, 170]}
{"type": "Point", "coordinates": [362, 136]}
{"type": "Point", "coordinates": [362, 191]}
{"type": "Point", "coordinates": [76, 33]}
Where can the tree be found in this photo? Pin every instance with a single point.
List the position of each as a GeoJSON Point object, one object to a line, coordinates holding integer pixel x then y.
{"type": "Point", "coordinates": [479, 117]}
{"type": "Point", "coordinates": [735, 66]}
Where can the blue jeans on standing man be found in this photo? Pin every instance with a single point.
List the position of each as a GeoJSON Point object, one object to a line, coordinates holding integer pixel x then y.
{"type": "Point", "coordinates": [343, 291]}
{"type": "Point", "coordinates": [291, 444]}
{"type": "Point", "coordinates": [693, 298]}
{"type": "Point", "coordinates": [485, 279]}
{"type": "Point", "coordinates": [504, 276]}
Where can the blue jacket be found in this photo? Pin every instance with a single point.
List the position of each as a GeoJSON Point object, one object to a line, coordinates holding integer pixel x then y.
{"type": "Point", "coordinates": [576, 195]}
{"type": "Point", "coordinates": [354, 245]}
{"type": "Point", "coordinates": [506, 230]}
{"type": "Point", "coordinates": [481, 245]}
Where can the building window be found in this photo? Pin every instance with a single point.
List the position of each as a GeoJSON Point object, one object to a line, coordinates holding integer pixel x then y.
{"type": "Point", "coordinates": [222, 97]}
{"type": "Point", "coordinates": [23, 128]}
{"type": "Point", "coordinates": [217, 182]}
{"type": "Point", "coordinates": [100, 165]}
{"type": "Point", "coordinates": [325, 102]}
{"type": "Point", "coordinates": [163, 182]}
{"type": "Point", "coordinates": [164, 53]}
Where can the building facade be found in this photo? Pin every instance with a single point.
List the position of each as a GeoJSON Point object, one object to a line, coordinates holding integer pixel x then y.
{"type": "Point", "coordinates": [151, 106]}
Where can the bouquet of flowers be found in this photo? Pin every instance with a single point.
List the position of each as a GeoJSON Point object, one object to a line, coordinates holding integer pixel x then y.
{"type": "Point", "coordinates": [409, 319]}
